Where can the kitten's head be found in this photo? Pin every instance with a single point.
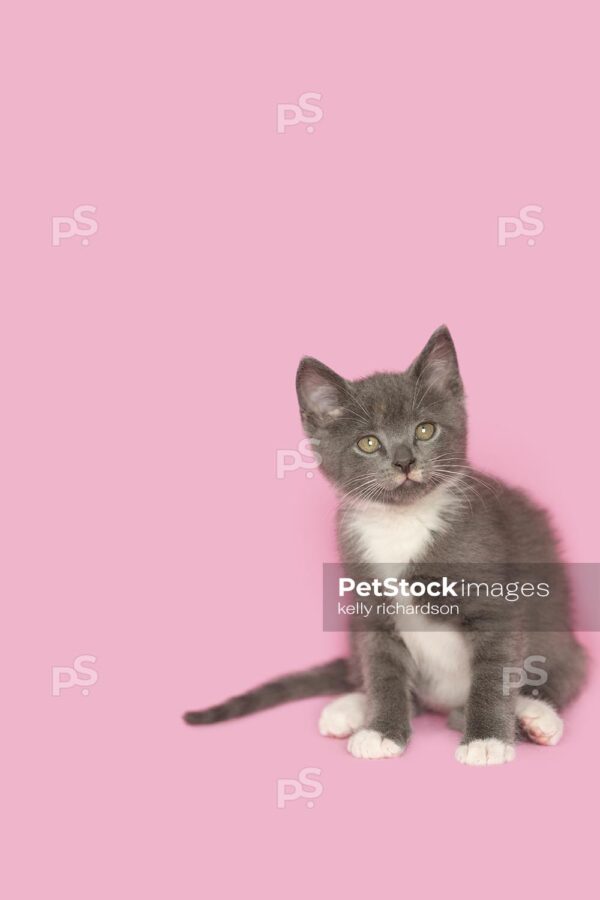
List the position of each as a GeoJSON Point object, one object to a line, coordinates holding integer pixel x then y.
{"type": "Point", "coordinates": [388, 438]}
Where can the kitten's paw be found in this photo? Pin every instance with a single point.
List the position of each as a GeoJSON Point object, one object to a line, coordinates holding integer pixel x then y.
{"type": "Point", "coordinates": [540, 722]}
{"type": "Point", "coordinates": [343, 716]}
{"type": "Point", "coordinates": [369, 744]}
{"type": "Point", "coordinates": [489, 752]}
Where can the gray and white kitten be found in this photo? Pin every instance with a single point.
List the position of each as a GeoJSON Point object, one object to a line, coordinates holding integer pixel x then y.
{"type": "Point", "coordinates": [395, 448]}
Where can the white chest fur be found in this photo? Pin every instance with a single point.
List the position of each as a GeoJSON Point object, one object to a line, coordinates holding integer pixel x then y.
{"type": "Point", "coordinates": [393, 537]}
{"type": "Point", "coordinates": [400, 534]}
{"type": "Point", "coordinates": [442, 659]}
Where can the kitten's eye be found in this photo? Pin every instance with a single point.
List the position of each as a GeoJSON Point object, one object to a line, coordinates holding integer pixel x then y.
{"type": "Point", "coordinates": [425, 431]}
{"type": "Point", "coordinates": [368, 444]}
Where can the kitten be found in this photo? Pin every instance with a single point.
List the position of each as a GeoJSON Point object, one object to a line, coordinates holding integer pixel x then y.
{"type": "Point", "coordinates": [395, 448]}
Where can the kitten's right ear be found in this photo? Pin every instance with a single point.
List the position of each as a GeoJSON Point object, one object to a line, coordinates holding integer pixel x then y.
{"type": "Point", "coordinates": [321, 392]}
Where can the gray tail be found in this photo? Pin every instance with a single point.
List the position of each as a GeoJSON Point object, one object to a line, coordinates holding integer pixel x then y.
{"type": "Point", "coordinates": [332, 678]}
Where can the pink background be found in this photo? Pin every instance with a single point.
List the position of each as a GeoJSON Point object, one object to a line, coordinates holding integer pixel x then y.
{"type": "Point", "coordinates": [148, 382]}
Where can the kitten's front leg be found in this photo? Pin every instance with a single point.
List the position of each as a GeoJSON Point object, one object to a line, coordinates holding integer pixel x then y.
{"type": "Point", "coordinates": [385, 663]}
{"type": "Point", "coordinates": [490, 714]}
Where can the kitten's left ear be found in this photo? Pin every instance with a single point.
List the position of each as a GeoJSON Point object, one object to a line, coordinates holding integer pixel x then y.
{"type": "Point", "coordinates": [437, 366]}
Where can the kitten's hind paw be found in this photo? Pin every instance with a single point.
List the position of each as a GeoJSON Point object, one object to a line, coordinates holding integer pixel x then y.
{"type": "Point", "coordinates": [369, 744]}
{"type": "Point", "coordinates": [540, 721]}
{"type": "Point", "coordinates": [489, 752]}
{"type": "Point", "coordinates": [344, 716]}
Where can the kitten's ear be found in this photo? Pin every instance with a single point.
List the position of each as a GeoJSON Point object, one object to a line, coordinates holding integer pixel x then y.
{"type": "Point", "coordinates": [321, 392]}
{"type": "Point", "coordinates": [437, 366]}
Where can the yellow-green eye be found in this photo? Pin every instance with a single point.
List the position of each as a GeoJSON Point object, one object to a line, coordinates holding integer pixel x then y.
{"type": "Point", "coordinates": [425, 431]}
{"type": "Point", "coordinates": [368, 444]}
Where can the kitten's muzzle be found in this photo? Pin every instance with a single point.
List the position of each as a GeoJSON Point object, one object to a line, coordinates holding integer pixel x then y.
{"type": "Point", "coordinates": [413, 475]}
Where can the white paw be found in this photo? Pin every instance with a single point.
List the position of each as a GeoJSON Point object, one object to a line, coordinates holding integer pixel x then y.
{"type": "Point", "coordinates": [369, 744]}
{"type": "Point", "coordinates": [489, 752]}
{"type": "Point", "coordinates": [343, 716]}
{"type": "Point", "coordinates": [539, 720]}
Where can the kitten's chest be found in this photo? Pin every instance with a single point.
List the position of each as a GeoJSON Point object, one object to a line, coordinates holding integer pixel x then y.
{"type": "Point", "coordinates": [391, 538]}
{"type": "Point", "coordinates": [397, 535]}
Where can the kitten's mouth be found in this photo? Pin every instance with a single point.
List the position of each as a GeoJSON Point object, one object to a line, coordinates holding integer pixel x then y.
{"type": "Point", "coordinates": [404, 481]}
{"type": "Point", "coordinates": [403, 486]}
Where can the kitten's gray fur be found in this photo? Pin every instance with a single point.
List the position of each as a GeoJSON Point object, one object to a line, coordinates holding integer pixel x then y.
{"type": "Point", "coordinates": [494, 525]}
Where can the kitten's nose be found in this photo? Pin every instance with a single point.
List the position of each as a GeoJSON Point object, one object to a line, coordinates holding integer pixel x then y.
{"type": "Point", "coordinates": [403, 459]}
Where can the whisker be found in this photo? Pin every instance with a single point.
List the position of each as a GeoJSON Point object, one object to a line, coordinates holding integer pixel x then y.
{"type": "Point", "coordinates": [449, 468]}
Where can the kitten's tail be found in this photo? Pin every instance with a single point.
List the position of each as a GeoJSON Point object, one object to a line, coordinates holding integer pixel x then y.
{"type": "Point", "coordinates": [332, 678]}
